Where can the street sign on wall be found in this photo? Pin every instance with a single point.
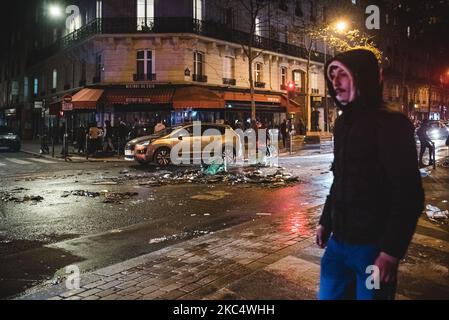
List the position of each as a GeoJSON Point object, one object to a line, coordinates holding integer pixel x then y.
{"type": "Point", "coordinates": [38, 104]}
{"type": "Point", "coordinates": [67, 104]}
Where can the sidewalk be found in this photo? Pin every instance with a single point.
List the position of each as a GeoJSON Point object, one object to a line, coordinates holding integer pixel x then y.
{"type": "Point", "coordinates": [33, 147]}
{"type": "Point", "coordinates": [254, 260]}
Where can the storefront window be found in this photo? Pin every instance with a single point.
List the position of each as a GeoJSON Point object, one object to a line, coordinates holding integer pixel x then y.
{"type": "Point", "coordinates": [198, 63]}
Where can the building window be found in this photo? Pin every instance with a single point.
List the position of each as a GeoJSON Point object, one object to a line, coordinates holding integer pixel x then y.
{"type": "Point", "coordinates": [36, 86]}
{"type": "Point", "coordinates": [283, 76]}
{"type": "Point", "coordinates": [99, 10]}
{"type": "Point", "coordinates": [387, 20]}
{"type": "Point", "coordinates": [314, 82]}
{"type": "Point", "coordinates": [258, 72]}
{"type": "Point", "coordinates": [257, 29]}
{"type": "Point", "coordinates": [228, 17]}
{"type": "Point", "coordinates": [83, 74]}
{"type": "Point", "coordinates": [98, 67]}
{"type": "Point", "coordinates": [198, 9]}
{"type": "Point", "coordinates": [25, 87]}
{"type": "Point", "coordinates": [198, 63]}
{"type": "Point", "coordinates": [145, 65]}
{"type": "Point", "coordinates": [228, 68]}
{"type": "Point", "coordinates": [55, 79]}
{"type": "Point", "coordinates": [145, 13]}
{"type": "Point", "coordinates": [73, 22]}
{"type": "Point", "coordinates": [297, 78]}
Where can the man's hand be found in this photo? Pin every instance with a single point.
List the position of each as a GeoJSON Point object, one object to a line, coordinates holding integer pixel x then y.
{"type": "Point", "coordinates": [388, 267]}
{"type": "Point", "coordinates": [322, 235]}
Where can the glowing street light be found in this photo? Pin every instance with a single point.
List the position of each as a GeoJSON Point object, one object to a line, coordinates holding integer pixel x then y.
{"type": "Point", "coordinates": [341, 26]}
{"type": "Point", "coordinates": [55, 11]}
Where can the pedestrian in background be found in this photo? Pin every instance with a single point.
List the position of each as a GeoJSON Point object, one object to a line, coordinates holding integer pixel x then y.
{"type": "Point", "coordinates": [425, 142]}
{"type": "Point", "coordinates": [376, 197]}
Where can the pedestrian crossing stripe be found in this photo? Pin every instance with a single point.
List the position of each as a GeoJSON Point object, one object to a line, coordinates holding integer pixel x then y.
{"type": "Point", "coordinates": [18, 161]}
{"type": "Point", "coordinates": [41, 160]}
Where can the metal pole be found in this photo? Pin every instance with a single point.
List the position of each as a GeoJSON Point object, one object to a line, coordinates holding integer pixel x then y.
{"type": "Point", "coordinates": [87, 146]}
{"type": "Point", "coordinates": [326, 110]}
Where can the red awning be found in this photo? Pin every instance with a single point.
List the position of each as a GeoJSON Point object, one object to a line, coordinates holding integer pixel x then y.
{"type": "Point", "coordinates": [138, 96]}
{"type": "Point", "coordinates": [86, 98]}
{"type": "Point", "coordinates": [197, 97]}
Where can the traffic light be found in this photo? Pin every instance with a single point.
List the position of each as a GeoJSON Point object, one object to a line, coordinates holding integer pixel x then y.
{"type": "Point", "coordinates": [291, 90]}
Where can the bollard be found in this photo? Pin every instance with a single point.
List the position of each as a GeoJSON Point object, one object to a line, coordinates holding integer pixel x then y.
{"type": "Point", "coordinates": [52, 147]}
{"type": "Point", "coordinates": [291, 143]}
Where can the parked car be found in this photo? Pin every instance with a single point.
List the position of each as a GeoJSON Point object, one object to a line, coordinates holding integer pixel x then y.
{"type": "Point", "coordinates": [9, 139]}
{"type": "Point", "coordinates": [158, 148]}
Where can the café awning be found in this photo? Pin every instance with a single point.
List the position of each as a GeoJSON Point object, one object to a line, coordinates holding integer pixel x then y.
{"type": "Point", "coordinates": [86, 98]}
{"type": "Point", "coordinates": [138, 96]}
{"type": "Point", "coordinates": [197, 98]}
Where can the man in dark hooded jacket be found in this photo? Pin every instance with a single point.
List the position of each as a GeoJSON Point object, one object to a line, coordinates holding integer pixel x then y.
{"type": "Point", "coordinates": [376, 197]}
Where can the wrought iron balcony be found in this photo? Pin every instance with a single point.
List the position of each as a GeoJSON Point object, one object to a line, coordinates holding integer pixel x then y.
{"type": "Point", "coordinates": [133, 25]}
{"type": "Point", "coordinates": [259, 84]}
{"type": "Point", "coordinates": [229, 81]}
{"type": "Point", "coordinates": [199, 78]}
{"type": "Point", "coordinates": [144, 77]}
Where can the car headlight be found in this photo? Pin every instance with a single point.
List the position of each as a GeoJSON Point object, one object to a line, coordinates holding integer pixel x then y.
{"type": "Point", "coordinates": [145, 144]}
{"type": "Point", "coordinates": [11, 137]}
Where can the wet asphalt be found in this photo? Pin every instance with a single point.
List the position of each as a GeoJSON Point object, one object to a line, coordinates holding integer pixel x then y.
{"type": "Point", "coordinates": [38, 239]}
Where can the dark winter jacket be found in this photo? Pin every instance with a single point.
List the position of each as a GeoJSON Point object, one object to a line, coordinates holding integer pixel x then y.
{"type": "Point", "coordinates": [376, 196]}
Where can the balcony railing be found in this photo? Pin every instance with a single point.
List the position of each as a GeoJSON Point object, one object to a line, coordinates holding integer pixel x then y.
{"type": "Point", "coordinates": [259, 84]}
{"type": "Point", "coordinates": [229, 81]}
{"type": "Point", "coordinates": [82, 83]}
{"type": "Point", "coordinates": [135, 25]}
{"type": "Point", "coordinates": [96, 79]}
{"type": "Point", "coordinates": [199, 78]}
{"type": "Point", "coordinates": [144, 77]}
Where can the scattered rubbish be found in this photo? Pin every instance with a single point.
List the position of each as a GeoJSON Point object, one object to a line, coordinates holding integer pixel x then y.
{"type": "Point", "coordinates": [263, 214]}
{"type": "Point", "coordinates": [81, 193]}
{"type": "Point", "coordinates": [424, 172]}
{"type": "Point", "coordinates": [193, 215]}
{"type": "Point", "coordinates": [9, 197]}
{"type": "Point", "coordinates": [213, 168]}
{"type": "Point", "coordinates": [444, 201]}
{"type": "Point", "coordinates": [181, 236]}
{"type": "Point", "coordinates": [118, 197]}
{"type": "Point", "coordinates": [251, 175]}
{"type": "Point", "coordinates": [436, 213]}
{"type": "Point", "coordinates": [207, 214]}
{"type": "Point", "coordinates": [57, 280]}
{"type": "Point", "coordinates": [124, 171]}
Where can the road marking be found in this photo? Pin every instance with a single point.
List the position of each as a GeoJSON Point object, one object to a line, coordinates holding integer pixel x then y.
{"type": "Point", "coordinates": [41, 160]}
{"type": "Point", "coordinates": [17, 161]}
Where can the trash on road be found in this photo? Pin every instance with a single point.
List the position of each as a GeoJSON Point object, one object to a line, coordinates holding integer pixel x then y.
{"type": "Point", "coordinates": [436, 213]}
{"type": "Point", "coordinates": [118, 197]}
{"type": "Point", "coordinates": [424, 172]}
{"type": "Point", "coordinates": [10, 197]}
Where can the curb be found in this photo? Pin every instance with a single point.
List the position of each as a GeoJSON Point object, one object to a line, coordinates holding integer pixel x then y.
{"type": "Point", "coordinates": [77, 159]}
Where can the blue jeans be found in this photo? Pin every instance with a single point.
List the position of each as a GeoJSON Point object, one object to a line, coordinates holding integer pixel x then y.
{"type": "Point", "coordinates": [343, 273]}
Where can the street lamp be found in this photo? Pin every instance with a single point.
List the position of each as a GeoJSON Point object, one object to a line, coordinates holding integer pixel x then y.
{"type": "Point", "coordinates": [341, 26]}
{"type": "Point", "coordinates": [55, 11]}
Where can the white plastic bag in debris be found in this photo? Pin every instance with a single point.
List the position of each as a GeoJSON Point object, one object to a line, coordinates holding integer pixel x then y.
{"type": "Point", "coordinates": [424, 172]}
{"type": "Point", "coordinates": [436, 213]}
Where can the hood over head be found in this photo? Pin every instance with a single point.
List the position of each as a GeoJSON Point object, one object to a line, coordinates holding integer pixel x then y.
{"type": "Point", "coordinates": [366, 79]}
